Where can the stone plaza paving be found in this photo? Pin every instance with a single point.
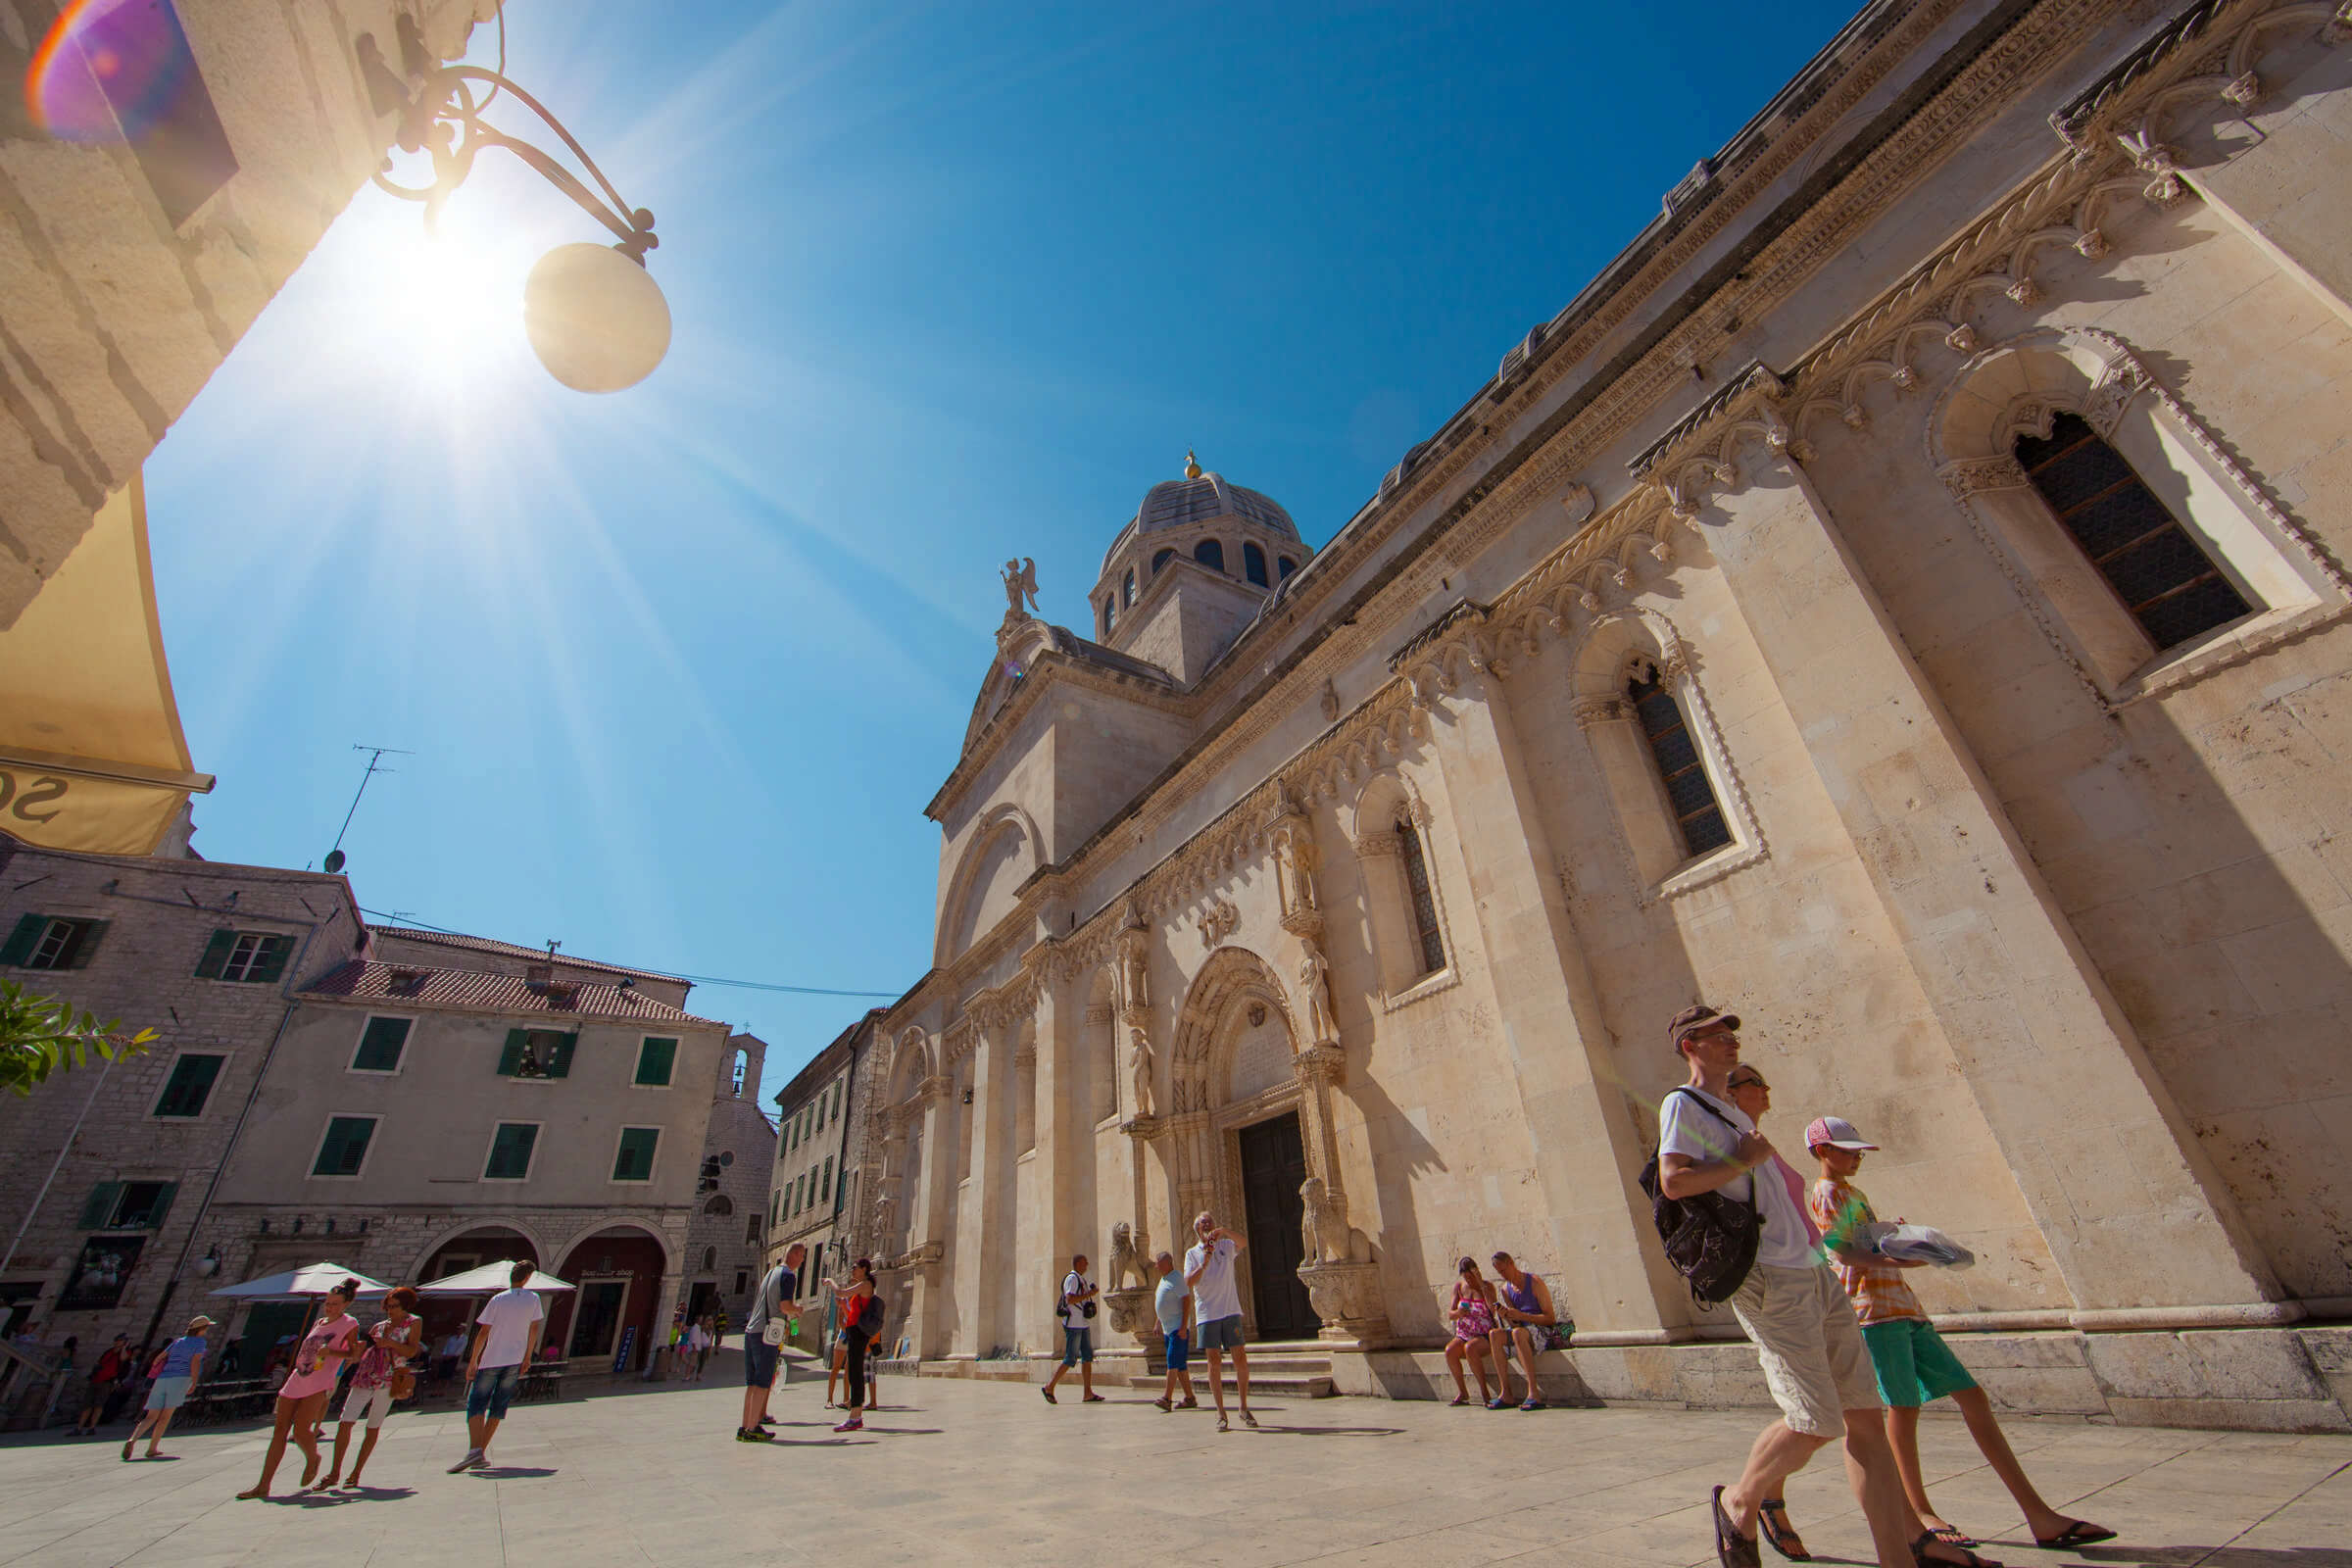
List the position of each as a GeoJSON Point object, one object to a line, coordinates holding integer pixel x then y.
{"type": "Point", "coordinates": [953, 1471]}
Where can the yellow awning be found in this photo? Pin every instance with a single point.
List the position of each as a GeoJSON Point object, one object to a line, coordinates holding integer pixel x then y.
{"type": "Point", "coordinates": [91, 753]}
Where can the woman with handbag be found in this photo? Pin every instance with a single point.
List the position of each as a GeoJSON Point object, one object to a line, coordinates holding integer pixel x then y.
{"type": "Point", "coordinates": [856, 1333]}
{"type": "Point", "coordinates": [381, 1380]}
{"type": "Point", "coordinates": [302, 1398]}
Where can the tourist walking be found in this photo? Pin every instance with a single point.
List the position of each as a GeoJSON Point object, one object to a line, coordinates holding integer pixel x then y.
{"type": "Point", "coordinates": [1793, 1308]}
{"type": "Point", "coordinates": [1471, 1316]}
{"type": "Point", "coordinates": [1524, 1316]}
{"type": "Point", "coordinates": [1217, 1308]}
{"type": "Point", "coordinates": [380, 1379]}
{"type": "Point", "coordinates": [1912, 1363]}
{"type": "Point", "coordinates": [1075, 1307]}
{"type": "Point", "coordinates": [710, 1342]}
{"type": "Point", "coordinates": [178, 1365]}
{"type": "Point", "coordinates": [302, 1398]}
{"type": "Point", "coordinates": [111, 1368]}
{"type": "Point", "coordinates": [1753, 1095]}
{"type": "Point", "coordinates": [1172, 1304]}
{"type": "Point", "coordinates": [857, 1300]}
{"type": "Point", "coordinates": [505, 1334]}
{"type": "Point", "coordinates": [766, 1328]}
{"type": "Point", "coordinates": [694, 1347]}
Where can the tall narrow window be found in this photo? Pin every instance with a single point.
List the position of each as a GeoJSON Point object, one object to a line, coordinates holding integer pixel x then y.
{"type": "Point", "coordinates": [1431, 945]}
{"type": "Point", "coordinates": [1285, 565]}
{"type": "Point", "coordinates": [1690, 794]}
{"type": "Point", "coordinates": [1210, 554]}
{"type": "Point", "coordinates": [1111, 612]}
{"type": "Point", "coordinates": [1127, 589]}
{"type": "Point", "coordinates": [1253, 564]}
{"type": "Point", "coordinates": [1160, 559]}
{"type": "Point", "coordinates": [2161, 573]}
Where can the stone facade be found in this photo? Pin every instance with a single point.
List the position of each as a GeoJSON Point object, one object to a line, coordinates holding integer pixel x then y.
{"type": "Point", "coordinates": [132, 275]}
{"type": "Point", "coordinates": [823, 1145]}
{"type": "Point", "coordinates": [725, 1242]}
{"type": "Point", "coordinates": [1744, 640]}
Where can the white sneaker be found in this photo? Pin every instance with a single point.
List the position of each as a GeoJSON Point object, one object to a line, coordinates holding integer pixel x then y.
{"type": "Point", "coordinates": [474, 1458]}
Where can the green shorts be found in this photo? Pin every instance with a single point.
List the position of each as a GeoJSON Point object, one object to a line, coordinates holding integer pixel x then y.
{"type": "Point", "coordinates": [1912, 1363]}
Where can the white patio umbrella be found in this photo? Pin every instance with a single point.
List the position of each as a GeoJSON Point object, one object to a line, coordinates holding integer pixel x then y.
{"type": "Point", "coordinates": [302, 1283]}
{"type": "Point", "coordinates": [490, 1278]}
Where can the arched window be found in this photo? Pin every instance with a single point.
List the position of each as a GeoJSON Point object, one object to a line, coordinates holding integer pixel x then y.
{"type": "Point", "coordinates": [2163, 576]}
{"type": "Point", "coordinates": [710, 1258]}
{"type": "Point", "coordinates": [1160, 558]}
{"type": "Point", "coordinates": [1111, 612]}
{"type": "Point", "coordinates": [1253, 564]}
{"type": "Point", "coordinates": [719, 1204]}
{"type": "Point", "coordinates": [1690, 794]}
{"type": "Point", "coordinates": [1127, 589]}
{"type": "Point", "coordinates": [1427, 942]}
{"type": "Point", "coordinates": [1285, 565]}
{"type": "Point", "coordinates": [1210, 554]}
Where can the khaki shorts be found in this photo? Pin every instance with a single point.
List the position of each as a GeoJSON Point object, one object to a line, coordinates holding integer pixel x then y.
{"type": "Point", "coordinates": [1811, 1345]}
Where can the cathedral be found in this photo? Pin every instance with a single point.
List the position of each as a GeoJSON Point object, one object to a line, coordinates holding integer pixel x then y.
{"type": "Point", "coordinates": [1901, 600]}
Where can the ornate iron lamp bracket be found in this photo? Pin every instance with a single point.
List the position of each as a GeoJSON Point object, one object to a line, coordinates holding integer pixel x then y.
{"type": "Point", "coordinates": [439, 115]}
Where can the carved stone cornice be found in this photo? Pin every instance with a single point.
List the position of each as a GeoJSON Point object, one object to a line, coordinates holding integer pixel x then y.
{"type": "Point", "coordinates": [935, 1087]}
{"type": "Point", "coordinates": [1591, 712]}
{"type": "Point", "coordinates": [1326, 1062]}
{"type": "Point", "coordinates": [1375, 846]}
{"type": "Point", "coordinates": [1973, 475]}
{"type": "Point", "coordinates": [1143, 1129]}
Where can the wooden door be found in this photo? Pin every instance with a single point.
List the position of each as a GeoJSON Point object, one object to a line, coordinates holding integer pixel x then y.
{"type": "Point", "coordinates": [1273, 1167]}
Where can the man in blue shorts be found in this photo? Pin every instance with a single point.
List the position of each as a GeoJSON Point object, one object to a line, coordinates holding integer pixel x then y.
{"type": "Point", "coordinates": [1173, 1304]}
{"type": "Point", "coordinates": [769, 1305]}
{"type": "Point", "coordinates": [504, 1337]}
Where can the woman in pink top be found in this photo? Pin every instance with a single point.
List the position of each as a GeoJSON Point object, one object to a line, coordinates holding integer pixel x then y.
{"type": "Point", "coordinates": [302, 1399]}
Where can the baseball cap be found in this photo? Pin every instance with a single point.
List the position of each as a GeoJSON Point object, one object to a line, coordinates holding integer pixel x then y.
{"type": "Point", "coordinates": [1690, 1018]}
{"type": "Point", "coordinates": [1837, 1133]}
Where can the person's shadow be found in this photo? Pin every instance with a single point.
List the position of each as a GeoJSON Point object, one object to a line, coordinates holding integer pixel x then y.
{"type": "Point", "coordinates": [510, 1471]}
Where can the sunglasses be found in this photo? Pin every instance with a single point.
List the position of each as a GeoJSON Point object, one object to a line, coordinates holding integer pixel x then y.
{"type": "Point", "coordinates": [1749, 1083]}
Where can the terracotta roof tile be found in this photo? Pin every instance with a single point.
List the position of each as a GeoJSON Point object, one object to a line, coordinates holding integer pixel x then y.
{"type": "Point", "coordinates": [451, 939]}
{"type": "Point", "coordinates": [406, 985]}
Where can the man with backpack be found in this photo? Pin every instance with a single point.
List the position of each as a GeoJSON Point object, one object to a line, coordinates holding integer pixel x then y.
{"type": "Point", "coordinates": [1790, 1304]}
{"type": "Point", "coordinates": [1075, 1307]}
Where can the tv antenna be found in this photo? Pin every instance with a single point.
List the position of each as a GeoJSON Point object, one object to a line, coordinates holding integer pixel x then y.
{"type": "Point", "coordinates": [375, 765]}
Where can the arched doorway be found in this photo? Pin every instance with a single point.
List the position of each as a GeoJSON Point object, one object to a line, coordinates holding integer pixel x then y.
{"type": "Point", "coordinates": [1235, 1053]}
{"type": "Point", "coordinates": [445, 1315]}
{"type": "Point", "coordinates": [610, 1316]}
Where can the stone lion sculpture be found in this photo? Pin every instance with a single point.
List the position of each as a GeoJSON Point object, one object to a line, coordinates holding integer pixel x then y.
{"type": "Point", "coordinates": [1324, 1224]}
{"type": "Point", "coordinates": [1126, 1258]}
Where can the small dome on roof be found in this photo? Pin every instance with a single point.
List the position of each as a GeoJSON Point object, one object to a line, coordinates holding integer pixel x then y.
{"type": "Point", "coordinates": [1181, 501]}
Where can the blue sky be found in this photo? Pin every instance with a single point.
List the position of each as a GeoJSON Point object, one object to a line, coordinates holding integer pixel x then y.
{"type": "Point", "coordinates": [681, 665]}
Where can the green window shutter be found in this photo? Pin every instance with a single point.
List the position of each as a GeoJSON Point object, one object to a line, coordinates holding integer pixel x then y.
{"type": "Point", "coordinates": [86, 949]}
{"type": "Point", "coordinates": [510, 1061]}
{"type": "Point", "coordinates": [511, 1151]}
{"type": "Point", "coordinates": [560, 1066]}
{"type": "Point", "coordinates": [20, 942]}
{"type": "Point", "coordinates": [380, 1044]}
{"type": "Point", "coordinates": [656, 1059]}
{"type": "Point", "coordinates": [216, 954]}
{"type": "Point", "coordinates": [271, 962]}
{"type": "Point", "coordinates": [636, 1159]}
{"type": "Point", "coordinates": [163, 1205]}
{"type": "Point", "coordinates": [99, 1206]}
{"type": "Point", "coordinates": [190, 1087]}
{"type": "Point", "coordinates": [828, 1180]}
{"type": "Point", "coordinates": [345, 1146]}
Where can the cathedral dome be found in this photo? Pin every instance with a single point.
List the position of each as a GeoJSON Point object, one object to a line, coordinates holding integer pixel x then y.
{"type": "Point", "coordinates": [1201, 497]}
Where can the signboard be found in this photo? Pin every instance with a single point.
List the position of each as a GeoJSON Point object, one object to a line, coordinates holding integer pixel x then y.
{"type": "Point", "coordinates": [628, 1342]}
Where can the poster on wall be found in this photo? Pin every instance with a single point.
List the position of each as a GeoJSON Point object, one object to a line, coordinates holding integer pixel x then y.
{"type": "Point", "coordinates": [101, 1273]}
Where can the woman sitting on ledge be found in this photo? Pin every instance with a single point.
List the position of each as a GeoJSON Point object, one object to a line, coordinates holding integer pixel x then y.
{"type": "Point", "coordinates": [1472, 1314]}
{"type": "Point", "coordinates": [1525, 1318]}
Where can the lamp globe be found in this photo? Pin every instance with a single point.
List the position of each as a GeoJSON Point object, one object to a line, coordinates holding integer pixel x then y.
{"type": "Point", "coordinates": [594, 318]}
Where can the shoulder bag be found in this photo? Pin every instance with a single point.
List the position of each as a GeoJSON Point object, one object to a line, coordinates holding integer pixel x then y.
{"type": "Point", "coordinates": [1710, 1238]}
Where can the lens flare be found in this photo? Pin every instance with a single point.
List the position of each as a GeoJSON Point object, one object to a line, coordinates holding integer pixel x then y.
{"type": "Point", "coordinates": [109, 70]}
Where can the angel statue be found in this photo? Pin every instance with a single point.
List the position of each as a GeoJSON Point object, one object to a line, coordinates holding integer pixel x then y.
{"type": "Point", "coordinates": [1020, 582]}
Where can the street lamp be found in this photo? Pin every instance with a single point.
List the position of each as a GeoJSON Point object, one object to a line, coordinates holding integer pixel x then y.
{"type": "Point", "coordinates": [594, 314]}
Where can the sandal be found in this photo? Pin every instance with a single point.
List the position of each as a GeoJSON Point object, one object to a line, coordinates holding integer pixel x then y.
{"type": "Point", "coordinates": [1951, 1535]}
{"type": "Point", "coordinates": [1048, 1393]}
{"type": "Point", "coordinates": [1499, 1404]}
{"type": "Point", "coordinates": [1966, 1560]}
{"type": "Point", "coordinates": [1773, 1523]}
{"type": "Point", "coordinates": [1731, 1549]}
{"type": "Point", "coordinates": [1459, 1398]}
{"type": "Point", "coordinates": [2077, 1533]}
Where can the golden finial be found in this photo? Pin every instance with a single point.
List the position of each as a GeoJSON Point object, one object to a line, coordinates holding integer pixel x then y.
{"type": "Point", "coordinates": [1191, 465]}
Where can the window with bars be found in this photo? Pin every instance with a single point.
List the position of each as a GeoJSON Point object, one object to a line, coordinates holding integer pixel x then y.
{"type": "Point", "coordinates": [381, 1046]}
{"type": "Point", "coordinates": [635, 1161]}
{"type": "Point", "coordinates": [51, 942]}
{"type": "Point", "coordinates": [511, 1151]}
{"type": "Point", "coordinates": [190, 1084]}
{"type": "Point", "coordinates": [255, 957]}
{"type": "Point", "coordinates": [1690, 792]}
{"type": "Point", "coordinates": [1429, 944]}
{"type": "Point", "coordinates": [2163, 575]}
{"type": "Point", "coordinates": [344, 1148]}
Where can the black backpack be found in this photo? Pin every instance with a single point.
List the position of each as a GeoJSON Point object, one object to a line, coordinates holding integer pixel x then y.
{"type": "Point", "coordinates": [1710, 1238]}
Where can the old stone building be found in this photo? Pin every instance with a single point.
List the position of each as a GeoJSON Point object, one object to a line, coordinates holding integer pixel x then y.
{"type": "Point", "coordinates": [822, 1149]}
{"type": "Point", "coordinates": [1901, 598]}
{"type": "Point", "coordinates": [724, 1242]}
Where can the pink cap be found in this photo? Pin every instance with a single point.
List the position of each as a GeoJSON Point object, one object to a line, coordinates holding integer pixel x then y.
{"type": "Point", "coordinates": [1837, 1133]}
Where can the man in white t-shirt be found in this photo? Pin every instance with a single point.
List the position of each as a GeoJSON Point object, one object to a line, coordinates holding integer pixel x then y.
{"type": "Point", "coordinates": [505, 1336]}
{"type": "Point", "coordinates": [1217, 1310]}
{"type": "Point", "coordinates": [1790, 1304]}
{"type": "Point", "coordinates": [1075, 1307]}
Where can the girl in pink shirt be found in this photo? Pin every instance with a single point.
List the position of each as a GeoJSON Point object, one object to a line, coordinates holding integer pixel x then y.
{"type": "Point", "coordinates": [302, 1399]}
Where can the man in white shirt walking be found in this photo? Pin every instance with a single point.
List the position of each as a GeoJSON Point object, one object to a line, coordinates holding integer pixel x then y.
{"type": "Point", "coordinates": [505, 1336]}
{"type": "Point", "coordinates": [1076, 1309]}
{"type": "Point", "coordinates": [1217, 1310]}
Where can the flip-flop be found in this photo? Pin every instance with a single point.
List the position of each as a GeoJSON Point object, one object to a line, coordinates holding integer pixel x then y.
{"type": "Point", "coordinates": [1731, 1549]}
{"type": "Point", "coordinates": [2077, 1533]}
{"type": "Point", "coordinates": [1048, 1393]}
{"type": "Point", "coordinates": [1773, 1524]}
{"type": "Point", "coordinates": [1951, 1536]}
{"type": "Point", "coordinates": [1966, 1560]}
{"type": "Point", "coordinates": [1459, 1398]}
